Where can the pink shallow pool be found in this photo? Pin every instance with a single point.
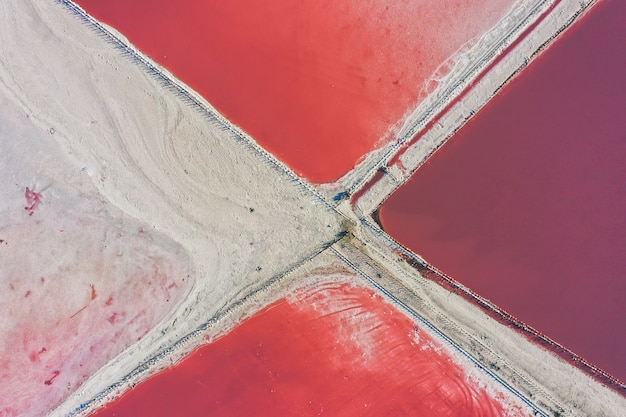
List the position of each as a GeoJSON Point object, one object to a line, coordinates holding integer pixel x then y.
{"type": "Point", "coordinates": [333, 350]}
{"type": "Point", "coordinates": [319, 84]}
{"type": "Point", "coordinates": [525, 204]}
{"type": "Point", "coordinates": [76, 299]}
{"type": "Point", "coordinates": [79, 280]}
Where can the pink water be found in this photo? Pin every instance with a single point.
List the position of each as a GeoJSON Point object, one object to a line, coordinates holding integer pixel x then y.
{"type": "Point", "coordinates": [318, 84]}
{"type": "Point", "coordinates": [334, 350]}
{"type": "Point", "coordinates": [526, 203]}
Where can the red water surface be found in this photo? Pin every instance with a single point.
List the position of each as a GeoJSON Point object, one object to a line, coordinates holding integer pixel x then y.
{"type": "Point", "coordinates": [319, 84]}
{"type": "Point", "coordinates": [333, 350]}
{"type": "Point", "coordinates": [525, 204]}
